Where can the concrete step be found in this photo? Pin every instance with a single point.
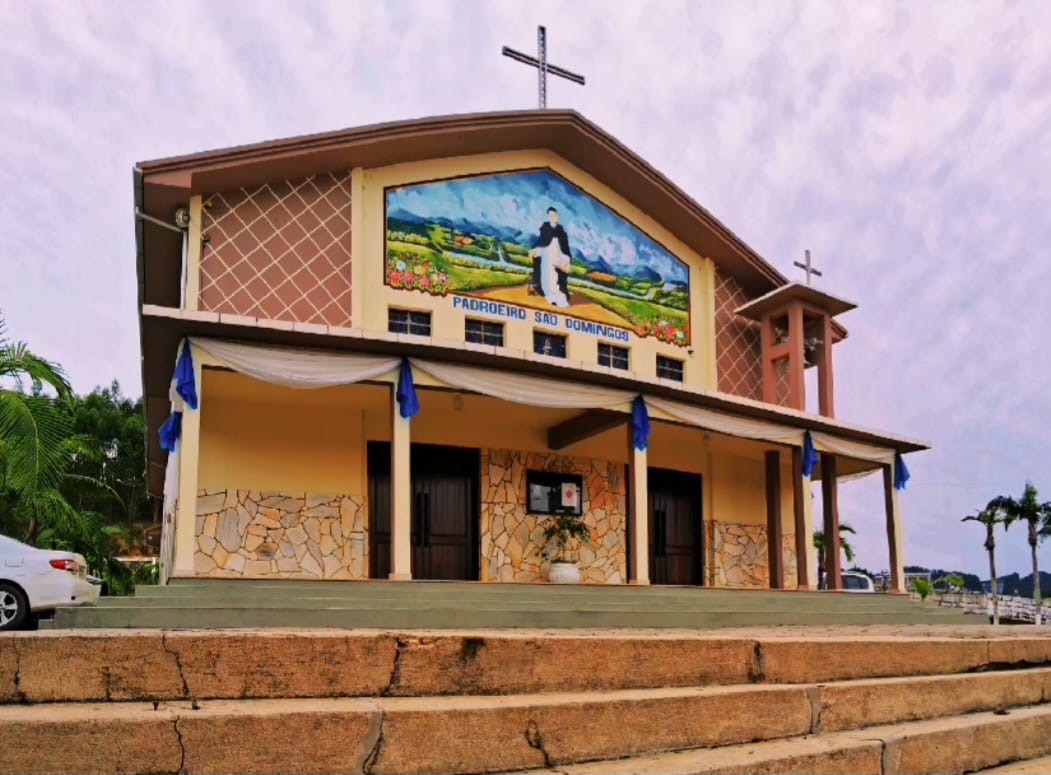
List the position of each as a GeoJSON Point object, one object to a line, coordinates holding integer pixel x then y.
{"type": "Point", "coordinates": [1040, 766]}
{"type": "Point", "coordinates": [946, 745]}
{"type": "Point", "coordinates": [308, 602]}
{"type": "Point", "coordinates": [218, 616]}
{"type": "Point", "coordinates": [485, 733]}
{"type": "Point", "coordinates": [381, 590]}
{"type": "Point", "coordinates": [143, 665]}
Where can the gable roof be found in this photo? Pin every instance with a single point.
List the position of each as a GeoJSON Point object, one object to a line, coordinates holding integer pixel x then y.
{"type": "Point", "coordinates": [165, 184]}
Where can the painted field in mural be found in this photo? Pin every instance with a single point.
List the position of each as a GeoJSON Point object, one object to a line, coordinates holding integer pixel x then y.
{"type": "Point", "coordinates": [535, 240]}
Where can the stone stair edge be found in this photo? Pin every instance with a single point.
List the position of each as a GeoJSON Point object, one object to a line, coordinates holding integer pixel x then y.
{"type": "Point", "coordinates": [472, 734]}
{"type": "Point", "coordinates": [86, 666]}
{"type": "Point", "coordinates": [922, 746]}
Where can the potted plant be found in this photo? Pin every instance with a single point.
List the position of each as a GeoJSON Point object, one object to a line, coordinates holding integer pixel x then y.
{"type": "Point", "coordinates": [562, 534]}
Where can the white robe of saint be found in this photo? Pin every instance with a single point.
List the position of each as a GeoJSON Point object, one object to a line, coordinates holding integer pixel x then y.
{"type": "Point", "coordinates": [552, 257]}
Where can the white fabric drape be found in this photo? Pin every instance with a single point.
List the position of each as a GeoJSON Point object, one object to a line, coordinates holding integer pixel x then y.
{"type": "Point", "coordinates": [171, 480]}
{"type": "Point", "coordinates": [524, 389]}
{"type": "Point", "coordinates": [720, 422]}
{"type": "Point", "coordinates": [297, 368]}
{"type": "Point", "coordinates": [824, 442]}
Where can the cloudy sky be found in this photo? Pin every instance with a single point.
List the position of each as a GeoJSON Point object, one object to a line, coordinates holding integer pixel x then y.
{"type": "Point", "coordinates": [906, 145]}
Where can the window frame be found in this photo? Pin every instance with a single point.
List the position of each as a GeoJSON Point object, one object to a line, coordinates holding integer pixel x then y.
{"type": "Point", "coordinates": [614, 352]}
{"type": "Point", "coordinates": [409, 322]}
{"type": "Point", "coordinates": [681, 377]}
{"type": "Point", "coordinates": [543, 332]}
{"type": "Point", "coordinates": [496, 325]}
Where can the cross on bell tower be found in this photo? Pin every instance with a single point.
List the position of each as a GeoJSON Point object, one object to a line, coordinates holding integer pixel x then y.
{"type": "Point", "coordinates": [541, 64]}
{"type": "Point", "coordinates": [807, 267]}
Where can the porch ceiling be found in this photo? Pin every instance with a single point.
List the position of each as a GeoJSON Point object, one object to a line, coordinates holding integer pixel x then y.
{"type": "Point", "coordinates": [470, 420]}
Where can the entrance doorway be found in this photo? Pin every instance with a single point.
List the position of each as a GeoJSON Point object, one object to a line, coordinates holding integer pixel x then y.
{"type": "Point", "coordinates": [676, 549]}
{"type": "Point", "coordinates": [445, 505]}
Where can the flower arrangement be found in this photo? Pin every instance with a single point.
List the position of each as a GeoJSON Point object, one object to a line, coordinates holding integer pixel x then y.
{"type": "Point", "coordinates": [562, 534]}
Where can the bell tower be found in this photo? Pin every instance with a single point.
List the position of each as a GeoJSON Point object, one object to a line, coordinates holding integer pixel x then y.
{"type": "Point", "coordinates": [797, 331]}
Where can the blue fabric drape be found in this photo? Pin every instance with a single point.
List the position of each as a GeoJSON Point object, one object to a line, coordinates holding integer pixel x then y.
{"type": "Point", "coordinates": [408, 403]}
{"type": "Point", "coordinates": [809, 455]}
{"type": "Point", "coordinates": [185, 384]}
{"type": "Point", "coordinates": [901, 472]}
{"type": "Point", "coordinates": [640, 424]}
{"type": "Point", "coordinates": [171, 430]}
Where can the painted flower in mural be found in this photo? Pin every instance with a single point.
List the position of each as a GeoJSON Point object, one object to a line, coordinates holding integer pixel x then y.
{"type": "Point", "coordinates": [410, 272]}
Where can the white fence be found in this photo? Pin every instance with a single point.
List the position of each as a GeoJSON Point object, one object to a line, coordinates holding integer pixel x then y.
{"type": "Point", "coordinates": [1011, 607]}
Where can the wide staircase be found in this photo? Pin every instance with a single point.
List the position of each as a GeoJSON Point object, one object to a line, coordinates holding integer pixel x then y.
{"type": "Point", "coordinates": [214, 603]}
{"type": "Point", "coordinates": [859, 700]}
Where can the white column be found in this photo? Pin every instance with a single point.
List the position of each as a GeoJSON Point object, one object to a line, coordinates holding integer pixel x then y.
{"type": "Point", "coordinates": [189, 453]}
{"type": "Point", "coordinates": [808, 521]}
{"type": "Point", "coordinates": [638, 514]}
{"type": "Point", "coordinates": [400, 493]}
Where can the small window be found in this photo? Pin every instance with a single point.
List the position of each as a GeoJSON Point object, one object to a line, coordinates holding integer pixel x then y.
{"type": "Point", "coordinates": [669, 368]}
{"type": "Point", "coordinates": [549, 344]}
{"type": "Point", "coordinates": [610, 355]}
{"type": "Point", "coordinates": [403, 321]}
{"type": "Point", "coordinates": [484, 332]}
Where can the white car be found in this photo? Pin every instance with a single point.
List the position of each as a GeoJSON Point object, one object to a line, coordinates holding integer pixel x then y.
{"type": "Point", "coordinates": [34, 580]}
{"type": "Point", "coordinates": [856, 582]}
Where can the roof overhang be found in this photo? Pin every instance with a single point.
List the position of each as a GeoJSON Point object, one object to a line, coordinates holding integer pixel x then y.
{"type": "Point", "coordinates": [167, 184]}
{"type": "Point", "coordinates": [780, 298]}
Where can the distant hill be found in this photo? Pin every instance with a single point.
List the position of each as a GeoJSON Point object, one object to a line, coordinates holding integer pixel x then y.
{"type": "Point", "coordinates": [970, 580]}
{"type": "Point", "coordinates": [1014, 584]}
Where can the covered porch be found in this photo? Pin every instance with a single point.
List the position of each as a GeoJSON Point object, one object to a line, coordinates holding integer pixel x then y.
{"type": "Point", "coordinates": [271, 481]}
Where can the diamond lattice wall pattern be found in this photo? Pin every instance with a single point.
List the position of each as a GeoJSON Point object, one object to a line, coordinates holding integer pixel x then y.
{"type": "Point", "coordinates": [737, 344]}
{"type": "Point", "coordinates": [280, 251]}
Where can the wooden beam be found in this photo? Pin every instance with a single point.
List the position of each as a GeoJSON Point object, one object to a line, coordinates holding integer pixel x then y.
{"type": "Point", "coordinates": [796, 382]}
{"type": "Point", "coordinates": [897, 571]}
{"type": "Point", "coordinates": [774, 542]}
{"type": "Point", "coordinates": [830, 498]}
{"type": "Point", "coordinates": [584, 426]}
{"type": "Point", "coordinates": [804, 541]}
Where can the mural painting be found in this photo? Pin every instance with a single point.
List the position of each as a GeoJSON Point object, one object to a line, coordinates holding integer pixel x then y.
{"type": "Point", "coordinates": [535, 240]}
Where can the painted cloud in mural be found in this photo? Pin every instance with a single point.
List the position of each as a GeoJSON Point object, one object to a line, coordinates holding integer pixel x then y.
{"type": "Point", "coordinates": [531, 238]}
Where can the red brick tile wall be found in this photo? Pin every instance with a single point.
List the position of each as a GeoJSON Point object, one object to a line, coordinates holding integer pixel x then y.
{"type": "Point", "coordinates": [737, 345]}
{"type": "Point", "coordinates": [279, 251]}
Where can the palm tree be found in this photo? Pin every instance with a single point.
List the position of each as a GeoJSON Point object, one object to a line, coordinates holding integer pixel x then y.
{"type": "Point", "coordinates": [1037, 516]}
{"type": "Point", "coordinates": [819, 544]}
{"type": "Point", "coordinates": [991, 516]}
{"type": "Point", "coordinates": [33, 434]}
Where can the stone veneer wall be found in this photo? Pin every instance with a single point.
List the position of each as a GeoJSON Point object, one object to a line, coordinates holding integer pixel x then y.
{"type": "Point", "coordinates": [512, 539]}
{"type": "Point", "coordinates": [740, 559]}
{"type": "Point", "coordinates": [253, 534]}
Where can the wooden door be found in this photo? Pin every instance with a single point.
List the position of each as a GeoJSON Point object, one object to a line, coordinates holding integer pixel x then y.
{"type": "Point", "coordinates": [676, 555]}
{"type": "Point", "coordinates": [445, 511]}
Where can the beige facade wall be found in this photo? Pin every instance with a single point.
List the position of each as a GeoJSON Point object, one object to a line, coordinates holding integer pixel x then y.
{"type": "Point", "coordinates": [448, 323]}
{"type": "Point", "coordinates": [309, 446]}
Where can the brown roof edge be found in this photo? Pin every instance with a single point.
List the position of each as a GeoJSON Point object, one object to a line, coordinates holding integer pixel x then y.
{"type": "Point", "coordinates": [157, 170]}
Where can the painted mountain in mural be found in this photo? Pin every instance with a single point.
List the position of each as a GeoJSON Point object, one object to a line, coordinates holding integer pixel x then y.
{"type": "Point", "coordinates": [534, 239]}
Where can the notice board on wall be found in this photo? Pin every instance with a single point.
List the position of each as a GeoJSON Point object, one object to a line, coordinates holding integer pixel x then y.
{"type": "Point", "coordinates": [549, 492]}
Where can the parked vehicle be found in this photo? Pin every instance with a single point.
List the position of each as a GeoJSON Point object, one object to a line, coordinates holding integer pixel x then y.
{"type": "Point", "coordinates": [856, 582]}
{"type": "Point", "coordinates": [35, 580]}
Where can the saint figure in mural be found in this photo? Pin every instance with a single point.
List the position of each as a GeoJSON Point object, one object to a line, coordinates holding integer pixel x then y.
{"type": "Point", "coordinates": [551, 259]}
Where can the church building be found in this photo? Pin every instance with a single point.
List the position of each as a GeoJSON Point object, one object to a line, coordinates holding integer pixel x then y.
{"type": "Point", "coordinates": [403, 351]}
